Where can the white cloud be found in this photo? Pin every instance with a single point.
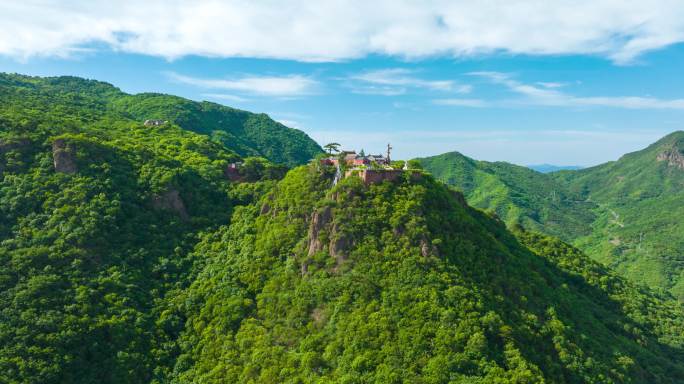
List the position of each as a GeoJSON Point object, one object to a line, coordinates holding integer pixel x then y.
{"type": "Point", "coordinates": [223, 96]}
{"type": "Point", "coordinates": [338, 30]}
{"type": "Point", "coordinates": [551, 84]}
{"type": "Point", "coordinates": [405, 78]}
{"type": "Point", "coordinates": [377, 90]}
{"type": "Point", "coordinates": [473, 103]}
{"type": "Point", "coordinates": [396, 81]}
{"type": "Point", "coordinates": [283, 86]}
{"type": "Point", "coordinates": [289, 123]}
{"type": "Point", "coordinates": [547, 96]}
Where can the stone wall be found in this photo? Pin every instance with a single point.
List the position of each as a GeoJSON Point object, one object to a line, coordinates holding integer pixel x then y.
{"type": "Point", "coordinates": [373, 176]}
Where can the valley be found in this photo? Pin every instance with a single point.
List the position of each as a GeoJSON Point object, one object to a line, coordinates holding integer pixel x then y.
{"type": "Point", "coordinates": [625, 214]}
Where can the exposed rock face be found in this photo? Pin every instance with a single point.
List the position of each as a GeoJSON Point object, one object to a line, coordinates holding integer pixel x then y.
{"type": "Point", "coordinates": [266, 208]}
{"type": "Point", "coordinates": [319, 219]}
{"type": "Point", "coordinates": [459, 198]}
{"type": "Point", "coordinates": [63, 156]}
{"type": "Point", "coordinates": [424, 248]}
{"type": "Point", "coordinates": [673, 157]}
{"type": "Point", "coordinates": [339, 244]}
{"type": "Point", "coordinates": [232, 174]}
{"type": "Point", "coordinates": [155, 123]}
{"type": "Point", "coordinates": [171, 201]}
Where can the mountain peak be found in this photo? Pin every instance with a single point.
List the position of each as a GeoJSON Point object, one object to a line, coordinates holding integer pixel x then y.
{"type": "Point", "coordinates": [675, 138]}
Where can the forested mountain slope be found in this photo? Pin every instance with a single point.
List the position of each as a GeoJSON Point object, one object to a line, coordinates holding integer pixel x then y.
{"type": "Point", "coordinates": [640, 226]}
{"type": "Point", "coordinates": [516, 194]}
{"type": "Point", "coordinates": [403, 282]}
{"type": "Point", "coordinates": [627, 213]}
{"type": "Point", "coordinates": [127, 255]}
{"type": "Point", "coordinates": [247, 134]}
{"type": "Point", "coordinates": [98, 214]}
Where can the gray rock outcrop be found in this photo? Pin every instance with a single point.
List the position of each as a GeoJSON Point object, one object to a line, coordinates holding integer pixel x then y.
{"type": "Point", "coordinates": [64, 157]}
{"type": "Point", "coordinates": [673, 157]}
{"type": "Point", "coordinates": [171, 201]}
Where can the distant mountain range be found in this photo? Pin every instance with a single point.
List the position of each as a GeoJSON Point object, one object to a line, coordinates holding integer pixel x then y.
{"type": "Point", "coordinates": [627, 213]}
{"type": "Point", "coordinates": [547, 168]}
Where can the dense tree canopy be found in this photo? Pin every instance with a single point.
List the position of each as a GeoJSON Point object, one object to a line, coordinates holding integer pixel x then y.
{"type": "Point", "coordinates": [626, 214]}
{"type": "Point", "coordinates": [161, 253]}
{"type": "Point", "coordinates": [245, 133]}
{"type": "Point", "coordinates": [99, 213]}
{"type": "Point", "coordinates": [404, 283]}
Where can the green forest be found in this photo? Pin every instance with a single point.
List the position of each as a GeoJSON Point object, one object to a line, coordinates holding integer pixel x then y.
{"type": "Point", "coordinates": [626, 214]}
{"type": "Point", "coordinates": [130, 254]}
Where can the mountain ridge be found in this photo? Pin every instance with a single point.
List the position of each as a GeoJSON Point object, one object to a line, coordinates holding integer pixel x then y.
{"type": "Point", "coordinates": [402, 281]}
{"type": "Point", "coordinates": [129, 254]}
{"type": "Point", "coordinates": [246, 133]}
{"type": "Point", "coordinates": [516, 193]}
{"type": "Point", "coordinates": [627, 210]}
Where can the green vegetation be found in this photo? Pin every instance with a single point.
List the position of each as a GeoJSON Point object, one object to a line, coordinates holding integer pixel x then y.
{"type": "Point", "coordinates": [639, 229]}
{"type": "Point", "coordinates": [518, 195]}
{"type": "Point", "coordinates": [136, 254]}
{"type": "Point", "coordinates": [244, 133]}
{"type": "Point", "coordinates": [402, 282]}
{"type": "Point", "coordinates": [98, 216]}
{"type": "Point", "coordinates": [332, 147]}
{"type": "Point", "coordinates": [626, 214]}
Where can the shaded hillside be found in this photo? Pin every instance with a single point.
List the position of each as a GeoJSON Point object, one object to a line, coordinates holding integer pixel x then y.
{"type": "Point", "coordinates": [640, 227]}
{"type": "Point", "coordinates": [402, 282]}
{"type": "Point", "coordinates": [98, 216]}
{"type": "Point", "coordinates": [127, 255]}
{"type": "Point", "coordinates": [627, 213]}
{"type": "Point", "coordinates": [517, 194]}
{"type": "Point", "coordinates": [248, 134]}
{"type": "Point", "coordinates": [245, 133]}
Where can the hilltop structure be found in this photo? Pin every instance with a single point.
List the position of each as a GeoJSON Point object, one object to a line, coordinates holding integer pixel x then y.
{"type": "Point", "coordinates": [370, 168]}
{"type": "Point", "coordinates": [353, 159]}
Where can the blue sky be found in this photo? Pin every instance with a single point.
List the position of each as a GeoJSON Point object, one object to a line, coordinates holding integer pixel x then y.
{"type": "Point", "coordinates": [532, 84]}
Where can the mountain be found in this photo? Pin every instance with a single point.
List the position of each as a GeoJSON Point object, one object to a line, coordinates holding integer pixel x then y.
{"type": "Point", "coordinates": [98, 216]}
{"type": "Point", "coordinates": [548, 168]}
{"type": "Point", "coordinates": [403, 282]}
{"type": "Point", "coordinates": [626, 213]}
{"type": "Point", "coordinates": [128, 254]}
{"type": "Point", "coordinates": [639, 229]}
{"type": "Point", "coordinates": [245, 133]}
{"type": "Point", "coordinates": [518, 195]}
